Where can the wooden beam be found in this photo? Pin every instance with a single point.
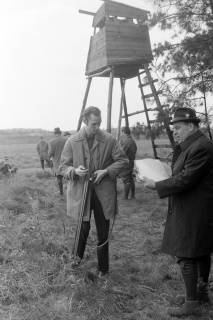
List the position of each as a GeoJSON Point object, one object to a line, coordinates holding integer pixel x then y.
{"type": "Point", "coordinates": [141, 111]}
{"type": "Point", "coordinates": [142, 72]}
{"type": "Point", "coordinates": [98, 74]}
{"type": "Point", "coordinates": [109, 105]}
{"type": "Point", "coordinates": [163, 146]}
{"type": "Point", "coordinates": [147, 115]}
{"type": "Point", "coordinates": [87, 12]}
{"type": "Point", "coordinates": [122, 81]}
{"type": "Point", "coordinates": [120, 116]}
{"type": "Point", "coordinates": [153, 94]}
{"type": "Point", "coordinates": [157, 100]}
{"type": "Point", "coordinates": [148, 83]}
{"type": "Point", "coordinates": [134, 113]}
{"type": "Point", "coordinates": [84, 103]}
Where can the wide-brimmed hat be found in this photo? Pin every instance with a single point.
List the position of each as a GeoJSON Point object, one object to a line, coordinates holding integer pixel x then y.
{"type": "Point", "coordinates": [184, 114]}
{"type": "Point", "coordinates": [57, 130]}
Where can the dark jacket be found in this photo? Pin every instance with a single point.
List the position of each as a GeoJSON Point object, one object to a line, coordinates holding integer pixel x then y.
{"type": "Point", "coordinates": [56, 148]}
{"type": "Point", "coordinates": [189, 225]}
{"type": "Point", "coordinates": [42, 149]}
{"type": "Point", "coordinates": [105, 154]}
{"type": "Point", "coordinates": [129, 146]}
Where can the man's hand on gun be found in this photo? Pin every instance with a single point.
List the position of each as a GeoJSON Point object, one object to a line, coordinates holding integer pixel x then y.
{"type": "Point", "coordinates": [98, 175]}
{"type": "Point", "coordinates": [71, 172]}
{"type": "Point", "coordinates": [81, 171]}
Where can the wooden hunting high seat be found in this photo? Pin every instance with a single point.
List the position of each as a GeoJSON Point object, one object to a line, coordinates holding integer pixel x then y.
{"type": "Point", "coordinates": [121, 39]}
{"type": "Point", "coordinates": [120, 48]}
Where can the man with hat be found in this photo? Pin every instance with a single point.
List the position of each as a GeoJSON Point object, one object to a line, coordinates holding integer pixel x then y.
{"type": "Point", "coordinates": [188, 231]}
{"type": "Point", "coordinates": [56, 148]}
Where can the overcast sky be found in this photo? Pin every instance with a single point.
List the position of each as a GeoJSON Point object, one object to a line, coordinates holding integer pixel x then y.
{"type": "Point", "coordinates": [43, 52]}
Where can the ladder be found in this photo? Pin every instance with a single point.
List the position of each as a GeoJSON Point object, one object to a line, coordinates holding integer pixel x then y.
{"type": "Point", "coordinates": [159, 108]}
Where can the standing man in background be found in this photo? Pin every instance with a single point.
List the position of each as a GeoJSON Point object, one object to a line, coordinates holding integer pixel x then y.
{"type": "Point", "coordinates": [188, 231]}
{"type": "Point", "coordinates": [95, 156]}
{"type": "Point", "coordinates": [56, 148]}
{"type": "Point", "coordinates": [130, 148]}
{"type": "Point", "coordinates": [42, 149]}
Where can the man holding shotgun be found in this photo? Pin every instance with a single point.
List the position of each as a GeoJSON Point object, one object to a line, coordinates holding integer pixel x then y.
{"type": "Point", "coordinates": [91, 160]}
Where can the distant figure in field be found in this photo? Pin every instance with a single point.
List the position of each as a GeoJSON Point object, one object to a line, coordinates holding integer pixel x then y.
{"type": "Point", "coordinates": [56, 148]}
{"type": "Point", "coordinates": [130, 148]}
{"type": "Point", "coordinates": [6, 168]}
{"type": "Point", "coordinates": [42, 149]}
{"type": "Point", "coordinates": [67, 134]}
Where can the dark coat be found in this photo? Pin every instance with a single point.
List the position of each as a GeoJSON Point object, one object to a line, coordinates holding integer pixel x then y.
{"type": "Point", "coordinates": [189, 225]}
{"type": "Point", "coordinates": [56, 148]}
{"type": "Point", "coordinates": [129, 146]}
{"type": "Point", "coordinates": [42, 149]}
{"type": "Point", "coordinates": [105, 154]}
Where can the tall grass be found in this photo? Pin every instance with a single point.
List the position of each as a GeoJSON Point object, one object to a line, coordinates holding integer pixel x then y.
{"type": "Point", "coordinates": [36, 278]}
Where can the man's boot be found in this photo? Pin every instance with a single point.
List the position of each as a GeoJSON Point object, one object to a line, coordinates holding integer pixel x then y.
{"type": "Point", "coordinates": [203, 292]}
{"type": "Point", "coordinates": [204, 267]}
{"type": "Point", "coordinates": [61, 188]}
{"type": "Point", "coordinates": [60, 184]}
{"type": "Point", "coordinates": [190, 307]}
{"type": "Point", "coordinates": [132, 189]}
{"type": "Point", "coordinates": [126, 190]}
{"type": "Point", "coordinates": [179, 300]}
{"type": "Point", "coordinates": [191, 304]}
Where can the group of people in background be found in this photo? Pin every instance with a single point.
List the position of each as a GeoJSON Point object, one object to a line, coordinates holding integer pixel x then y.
{"type": "Point", "coordinates": [50, 153]}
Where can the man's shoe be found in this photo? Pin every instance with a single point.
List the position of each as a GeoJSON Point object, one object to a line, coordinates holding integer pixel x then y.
{"type": "Point", "coordinates": [75, 262]}
{"type": "Point", "coordinates": [190, 307]}
{"type": "Point", "coordinates": [103, 274]}
{"type": "Point", "coordinates": [203, 293]}
{"type": "Point", "coordinates": [179, 299]}
{"type": "Point", "coordinates": [126, 191]}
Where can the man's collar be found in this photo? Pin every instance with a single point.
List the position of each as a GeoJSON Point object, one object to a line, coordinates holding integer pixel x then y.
{"type": "Point", "coordinates": [82, 135]}
{"type": "Point", "coordinates": [190, 139]}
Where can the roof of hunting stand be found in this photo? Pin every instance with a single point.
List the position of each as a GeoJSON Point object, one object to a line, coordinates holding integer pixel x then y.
{"type": "Point", "coordinates": [117, 9]}
{"type": "Point", "coordinates": [120, 41]}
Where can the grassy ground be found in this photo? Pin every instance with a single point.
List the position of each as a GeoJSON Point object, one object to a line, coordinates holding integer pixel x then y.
{"type": "Point", "coordinates": [24, 155]}
{"type": "Point", "coordinates": [36, 281]}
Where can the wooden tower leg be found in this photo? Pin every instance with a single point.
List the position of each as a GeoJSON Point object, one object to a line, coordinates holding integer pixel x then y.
{"type": "Point", "coordinates": [109, 105]}
{"type": "Point", "coordinates": [120, 115]}
{"type": "Point", "coordinates": [122, 81]}
{"type": "Point", "coordinates": [84, 103]}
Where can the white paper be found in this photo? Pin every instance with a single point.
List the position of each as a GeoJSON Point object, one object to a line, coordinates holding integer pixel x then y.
{"type": "Point", "coordinates": [152, 169]}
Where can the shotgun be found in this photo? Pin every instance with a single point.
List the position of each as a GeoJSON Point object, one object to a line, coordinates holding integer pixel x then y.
{"type": "Point", "coordinates": [80, 217]}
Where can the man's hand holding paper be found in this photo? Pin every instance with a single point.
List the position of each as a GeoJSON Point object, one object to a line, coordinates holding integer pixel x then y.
{"type": "Point", "coordinates": [150, 171]}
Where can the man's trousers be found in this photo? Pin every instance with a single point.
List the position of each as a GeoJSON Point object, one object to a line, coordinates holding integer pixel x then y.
{"type": "Point", "coordinates": [195, 272]}
{"type": "Point", "coordinates": [102, 227]}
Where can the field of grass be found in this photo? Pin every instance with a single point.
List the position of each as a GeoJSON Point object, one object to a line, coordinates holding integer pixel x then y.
{"type": "Point", "coordinates": [36, 280]}
{"type": "Point", "coordinates": [24, 155]}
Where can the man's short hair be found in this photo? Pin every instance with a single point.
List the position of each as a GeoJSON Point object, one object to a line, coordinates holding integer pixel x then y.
{"type": "Point", "coordinates": [126, 130]}
{"type": "Point", "coordinates": [91, 110]}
